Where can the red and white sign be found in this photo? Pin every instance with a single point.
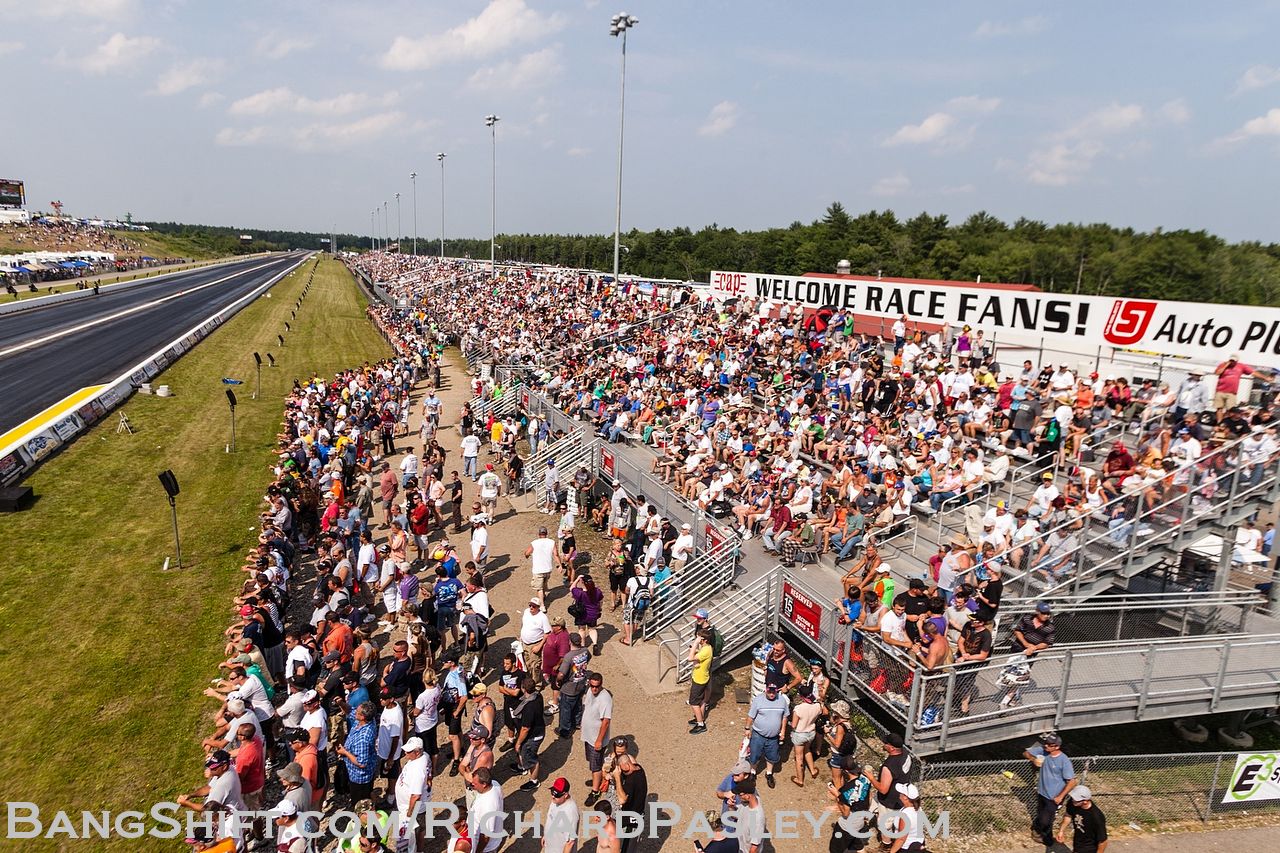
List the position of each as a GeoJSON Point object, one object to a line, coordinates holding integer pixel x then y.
{"type": "Point", "coordinates": [606, 462]}
{"type": "Point", "coordinates": [802, 612]}
{"type": "Point", "coordinates": [524, 400]}
{"type": "Point", "coordinates": [1194, 330]}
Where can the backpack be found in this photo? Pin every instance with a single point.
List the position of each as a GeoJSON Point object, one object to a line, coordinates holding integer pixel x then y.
{"type": "Point", "coordinates": [641, 599]}
{"type": "Point", "coordinates": [717, 642]}
{"type": "Point", "coordinates": [409, 587]}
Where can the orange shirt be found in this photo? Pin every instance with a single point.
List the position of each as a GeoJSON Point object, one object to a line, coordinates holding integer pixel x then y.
{"type": "Point", "coordinates": [308, 761]}
{"type": "Point", "coordinates": [341, 640]}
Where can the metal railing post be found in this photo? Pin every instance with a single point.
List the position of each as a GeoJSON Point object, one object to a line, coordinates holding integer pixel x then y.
{"type": "Point", "coordinates": [1222, 676]}
{"type": "Point", "coordinates": [1146, 679]}
{"type": "Point", "coordinates": [1063, 686]}
{"type": "Point", "coordinates": [913, 704]}
{"type": "Point", "coordinates": [1213, 788]}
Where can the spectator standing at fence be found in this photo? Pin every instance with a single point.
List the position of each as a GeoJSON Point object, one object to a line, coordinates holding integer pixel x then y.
{"type": "Point", "coordinates": [1056, 779]}
{"type": "Point", "coordinates": [1033, 634]}
{"type": "Point", "coordinates": [1088, 823]}
{"type": "Point", "coordinates": [895, 770]}
{"type": "Point", "coordinates": [766, 727]}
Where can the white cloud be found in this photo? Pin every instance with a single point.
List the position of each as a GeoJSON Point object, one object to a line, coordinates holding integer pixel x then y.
{"type": "Point", "coordinates": [932, 129]}
{"type": "Point", "coordinates": [1175, 111]}
{"type": "Point", "coordinates": [578, 152]}
{"type": "Point", "coordinates": [1264, 125]}
{"type": "Point", "coordinates": [1067, 156]}
{"type": "Point", "coordinates": [501, 25]}
{"type": "Point", "coordinates": [958, 189]}
{"type": "Point", "coordinates": [284, 99]}
{"type": "Point", "coordinates": [974, 104]}
{"type": "Point", "coordinates": [209, 99]}
{"type": "Point", "coordinates": [115, 54]}
{"type": "Point", "coordinates": [1023, 27]}
{"type": "Point", "coordinates": [529, 71]}
{"type": "Point", "coordinates": [8, 47]}
{"type": "Point", "coordinates": [1112, 118]}
{"type": "Point", "coordinates": [316, 136]}
{"type": "Point", "coordinates": [278, 47]}
{"type": "Point", "coordinates": [1257, 77]}
{"type": "Point", "coordinates": [720, 120]}
{"type": "Point", "coordinates": [187, 75]}
{"type": "Point", "coordinates": [106, 10]}
{"type": "Point", "coordinates": [892, 185]}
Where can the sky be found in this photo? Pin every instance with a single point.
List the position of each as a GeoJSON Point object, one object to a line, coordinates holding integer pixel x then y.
{"type": "Point", "coordinates": [745, 113]}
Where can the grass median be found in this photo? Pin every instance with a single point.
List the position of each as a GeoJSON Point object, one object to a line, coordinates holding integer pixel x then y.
{"type": "Point", "coordinates": [105, 655]}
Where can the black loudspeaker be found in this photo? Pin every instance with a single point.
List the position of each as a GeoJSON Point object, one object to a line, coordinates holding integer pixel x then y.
{"type": "Point", "coordinates": [170, 482]}
{"type": "Point", "coordinates": [231, 397]}
{"type": "Point", "coordinates": [257, 358]}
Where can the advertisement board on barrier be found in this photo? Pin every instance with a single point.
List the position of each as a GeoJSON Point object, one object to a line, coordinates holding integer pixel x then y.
{"type": "Point", "coordinates": [1255, 779]}
{"type": "Point", "coordinates": [802, 612]}
{"type": "Point", "coordinates": [39, 446]}
{"type": "Point", "coordinates": [90, 412]}
{"type": "Point", "coordinates": [1157, 326]}
{"type": "Point", "coordinates": [67, 427]}
{"type": "Point", "coordinates": [11, 468]}
{"type": "Point", "coordinates": [606, 462]}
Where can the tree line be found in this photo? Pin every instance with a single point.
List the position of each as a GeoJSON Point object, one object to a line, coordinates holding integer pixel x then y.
{"type": "Point", "coordinates": [1096, 258]}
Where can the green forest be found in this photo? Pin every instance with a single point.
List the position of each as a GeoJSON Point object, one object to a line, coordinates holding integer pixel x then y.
{"type": "Point", "coordinates": [1075, 258]}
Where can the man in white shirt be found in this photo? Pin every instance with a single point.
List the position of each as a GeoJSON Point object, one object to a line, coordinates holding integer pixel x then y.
{"type": "Point", "coordinates": [408, 468]}
{"type": "Point", "coordinates": [413, 791]}
{"type": "Point", "coordinates": [682, 548]}
{"type": "Point", "coordinates": [1001, 519]}
{"type": "Point", "coordinates": [490, 487]}
{"type": "Point", "coordinates": [1043, 496]}
{"type": "Point", "coordinates": [390, 735]}
{"type": "Point", "coordinates": [542, 559]}
{"type": "Point", "coordinates": [560, 832]}
{"type": "Point", "coordinates": [484, 817]}
{"type": "Point", "coordinates": [479, 540]}
{"type": "Point", "coordinates": [470, 455]}
{"type": "Point", "coordinates": [534, 628]}
{"type": "Point", "coordinates": [893, 625]}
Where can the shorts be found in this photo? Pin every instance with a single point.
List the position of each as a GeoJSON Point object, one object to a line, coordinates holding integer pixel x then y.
{"type": "Point", "coordinates": [388, 504]}
{"type": "Point", "coordinates": [538, 583]}
{"type": "Point", "coordinates": [801, 738]}
{"type": "Point", "coordinates": [429, 744]}
{"type": "Point", "coordinates": [617, 583]}
{"type": "Point", "coordinates": [455, 720]}
{"type": "Point", "coordinates": [446, 619]}
{"type": "Point", "coordinates": [618, 532]}
{"type": "Point", "coordinates": [836, 760]}
{"type": "Point", "coordinates": [529, 753]}
{"type": "Point", "coordinates": [699, 694]}
{"type": "Point", "coordinates": [1223, 400]}
{"type": "Point", "coordinates": [595, 757]}
{"type": "Point", "coordinates": [763, 747]}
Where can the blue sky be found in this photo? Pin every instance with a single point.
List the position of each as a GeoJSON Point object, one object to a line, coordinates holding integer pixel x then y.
{"type": "Point", "coordinates": [747, 113]}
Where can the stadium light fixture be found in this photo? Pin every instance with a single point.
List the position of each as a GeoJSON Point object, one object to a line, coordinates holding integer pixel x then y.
{"type": "Point", "coordinates": [491, 122]}
{"type": "Point", "coordinates": [440, 156]}
{"type": "Point", "coordinates": [413, 179]}
{"type": "Point", "coordinates": [619, 24]}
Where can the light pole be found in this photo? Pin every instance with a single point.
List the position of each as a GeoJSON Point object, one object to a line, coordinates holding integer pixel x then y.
{"type": "Point", "coordinates": [491, 121]}
{"type": "Point", "coordinates": [413, 179]}
{"type": "Point", "coordinates": [619, 25]}
{"type": "Point", "coordinates": [399, 227]}
{"type": "Point", "coordinates": [441, 157]}
{"type": "Point", "coordinates": [386, 226]}
{"type": "Point", "coordinates": [373, 232]}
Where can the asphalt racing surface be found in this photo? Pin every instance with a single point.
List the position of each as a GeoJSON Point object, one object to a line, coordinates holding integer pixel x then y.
{"type": "Point", "coordinates": [48, 353]}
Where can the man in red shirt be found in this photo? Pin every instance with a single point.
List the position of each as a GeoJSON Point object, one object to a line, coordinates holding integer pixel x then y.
{"type": "Point", "coordinates": [389, 487]}
{"type": "Point", "coordinates": [338, 638]}
{"type": "Point", "coordinates": [1229, 372]}
{"type": "Point", "coordinates": [251, 766]}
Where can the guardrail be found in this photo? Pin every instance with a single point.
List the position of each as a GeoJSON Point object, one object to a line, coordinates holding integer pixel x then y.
{"type": "Point", "coordinates": [736, 617]}
{"type": "Point", "coordinates": [23, 454]}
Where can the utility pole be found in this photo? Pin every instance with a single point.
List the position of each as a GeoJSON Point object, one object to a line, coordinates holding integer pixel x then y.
{"type": "Point", "coordinates": [441, 157]}
{"type": "Point", "coordinates": [413, 179]}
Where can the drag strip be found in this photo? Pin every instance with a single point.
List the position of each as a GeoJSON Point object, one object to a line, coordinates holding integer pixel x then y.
{"type": "Point", "coordinates": [49, 353]}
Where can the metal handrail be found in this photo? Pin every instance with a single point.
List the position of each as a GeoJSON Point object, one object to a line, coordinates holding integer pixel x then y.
{"type": "Point", "coordinates": [731, 616]}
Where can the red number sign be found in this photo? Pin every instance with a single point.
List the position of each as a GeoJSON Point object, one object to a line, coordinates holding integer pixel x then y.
{"type": "Point", "coordinates": [801, 611]}
{"type": "Point", "coordinates": [606, 462]}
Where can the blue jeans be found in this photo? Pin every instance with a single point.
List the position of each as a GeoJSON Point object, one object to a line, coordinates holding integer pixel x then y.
{"type": "Point", "coordinates": [936, 499]}
{"type": "Point", "coordinates": [771, 542]}
{"type": "Point", "coordinates": [469, 465]}
{"type": "Point", "coordinates": [763, 747]}
{"type": "Point", "coordinates": [846, 548]}
{"type": "Point", "coordinates": [570, 714]}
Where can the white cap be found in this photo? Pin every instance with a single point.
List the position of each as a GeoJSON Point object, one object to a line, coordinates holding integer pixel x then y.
{"type": "Point", "coordinates": [883, 567]}
{"type": "Point", "coordinates": [906, 789]}
{"type": "Point", "coordinates": [413, 744]}
{"type": "Point", "coordinates": [287, 808]}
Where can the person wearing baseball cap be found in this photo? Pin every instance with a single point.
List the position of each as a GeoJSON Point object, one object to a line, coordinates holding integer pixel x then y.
{"type": "Point", "coordinates": [1055, 781]}
{"type": "Point", "coordinates": [412, 790]}
{"type": "Point", "coordinates": [223, 786]}
{"type": "Point", "coordinates": [1088, 823]}
{"type": "Point", "coordinates": [560, 830]}
{"type": "Point", "coordinates": [288, 832]}
{"type": "Point", "coordinates": [740, 771]}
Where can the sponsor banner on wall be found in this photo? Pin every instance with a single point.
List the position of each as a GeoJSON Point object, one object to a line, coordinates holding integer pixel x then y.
{"type": "Point", "coordinates": [1189, 329]}
{"type": "Point", "coordinates": [1255, 779]}
{"type": "Point", "coordinates": [67, 427]}
{"type": "Point", "coordinates": [39, 446]}
{"type": "Point", "coordinates": [11, 467]}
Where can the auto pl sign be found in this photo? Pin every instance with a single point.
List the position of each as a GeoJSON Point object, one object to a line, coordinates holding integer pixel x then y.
{"type": "Point", "coordinates": [1190, 329]}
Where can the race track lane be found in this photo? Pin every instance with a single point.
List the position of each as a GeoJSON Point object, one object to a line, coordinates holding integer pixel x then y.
{"type": "Point", "coordinates": [35, 378]}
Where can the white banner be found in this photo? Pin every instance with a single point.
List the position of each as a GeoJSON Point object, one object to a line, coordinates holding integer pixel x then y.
{"type": "Point", "coordinates": [1191, 329]}
{"type": "Point", "coordinates": [1256, 778]}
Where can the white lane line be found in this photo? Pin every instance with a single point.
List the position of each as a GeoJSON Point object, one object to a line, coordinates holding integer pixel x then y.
{"type": "Point", "coordinates": [71, 330]}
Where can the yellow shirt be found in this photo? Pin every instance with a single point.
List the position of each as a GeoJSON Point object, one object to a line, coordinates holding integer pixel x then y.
{"type": "Point", "coordinates": [702, 665]}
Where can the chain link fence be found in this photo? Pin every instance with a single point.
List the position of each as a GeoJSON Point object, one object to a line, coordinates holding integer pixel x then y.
{"type": "Point", "coordinates": [986, 797]}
